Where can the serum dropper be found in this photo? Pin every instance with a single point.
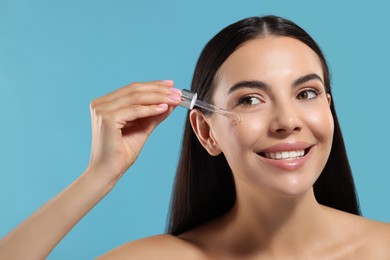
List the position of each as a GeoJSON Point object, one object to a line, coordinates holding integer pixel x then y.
{"type": "Point", "coordinates": [190, 100]}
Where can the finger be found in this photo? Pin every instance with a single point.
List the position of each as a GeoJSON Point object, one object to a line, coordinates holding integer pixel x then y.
{"type": "Point", "coordinates": [137, 87]}
{"type": "Point", "coordinates": [171, 97]}
{"type": "Point", "coordinates": [119, 118]}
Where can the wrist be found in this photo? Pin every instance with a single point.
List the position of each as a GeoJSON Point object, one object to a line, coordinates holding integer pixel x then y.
{"type": "Point", "coordinates": [99, 178]}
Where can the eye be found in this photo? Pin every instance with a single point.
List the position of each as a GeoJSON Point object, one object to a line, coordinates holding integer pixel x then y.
{"type": "Point", "coordinates": [308, 94]}
{"type": "Point", "coordinates": [249, 101]}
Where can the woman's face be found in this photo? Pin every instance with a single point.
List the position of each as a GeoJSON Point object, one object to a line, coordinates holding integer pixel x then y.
{"type": "Point", "coordinates": [285, 135]}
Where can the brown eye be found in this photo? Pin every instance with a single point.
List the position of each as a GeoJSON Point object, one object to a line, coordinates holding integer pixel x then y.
{"type": "Point", "coordinates": [248, 101]}
{"type": "Point", "coordinates": [307, 94]}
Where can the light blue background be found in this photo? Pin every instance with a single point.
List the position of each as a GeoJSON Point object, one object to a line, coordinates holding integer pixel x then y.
{"type": "Point", "coordinates": [57, 56]}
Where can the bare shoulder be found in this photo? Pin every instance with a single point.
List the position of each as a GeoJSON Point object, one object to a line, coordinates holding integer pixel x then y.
{"type": "Point", "coordinates": [370, 238]}
{"type": "Point", "coordinates": [155, 247]}
{"type": "Point", "coordinates": [379, 238]}
{"type": "Point", "coordinates": [378, 232]}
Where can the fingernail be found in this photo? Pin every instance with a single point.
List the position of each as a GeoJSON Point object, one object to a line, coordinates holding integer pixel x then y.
{"type": "Point", "coordinates": [175, 91]}
{"type": "Point", "coordinates": [174, 97]}
{"type": "Point", "coordinates": [162, 106]}
{"type": "Point", "coordinates": [168, 81]}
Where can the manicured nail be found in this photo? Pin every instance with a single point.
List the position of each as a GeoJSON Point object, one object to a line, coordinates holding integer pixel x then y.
{"type": "Point", "coordinates": [174, 97]}
{"type": "Point", "coordinates": [175, 91]}
{"type": "Point", "coordinates": [162, 106]}
{"type": "Point", "coordinates": [168, 81]}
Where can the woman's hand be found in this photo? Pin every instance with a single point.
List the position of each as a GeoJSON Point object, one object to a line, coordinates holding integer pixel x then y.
{"type": "Point", "coordinates": [121, 123]}
{"type": "Point", "coordinates": [123, 120]}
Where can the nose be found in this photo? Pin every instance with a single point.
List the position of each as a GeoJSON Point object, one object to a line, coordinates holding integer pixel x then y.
{"type": "Point", "coordinates": [285, 120]}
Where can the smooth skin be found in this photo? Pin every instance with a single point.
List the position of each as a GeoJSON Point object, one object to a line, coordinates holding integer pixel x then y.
{"type": "Point", "coordinates": [275, 215]}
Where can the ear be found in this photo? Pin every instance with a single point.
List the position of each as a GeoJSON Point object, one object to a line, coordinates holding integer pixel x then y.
{"type": "Point", "coordinates": [329, 97]}
{"type": "Point", "coordinates": [204, 133]}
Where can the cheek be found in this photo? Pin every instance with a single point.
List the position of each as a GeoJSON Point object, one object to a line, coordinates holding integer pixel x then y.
{"type": "Point", "coordinates": [250, 130]}
{"type": "Point", "coordinates": [236, 138]}
{"type": "Point", "coordinates": [321, 123]}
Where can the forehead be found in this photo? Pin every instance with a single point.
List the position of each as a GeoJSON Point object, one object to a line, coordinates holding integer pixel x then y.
{"type": "Point", "coordinates": [269, 59]}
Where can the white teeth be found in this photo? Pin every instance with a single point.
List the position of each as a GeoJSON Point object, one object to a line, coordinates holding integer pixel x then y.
{"type": "Point", "coordinates": [285, 155]}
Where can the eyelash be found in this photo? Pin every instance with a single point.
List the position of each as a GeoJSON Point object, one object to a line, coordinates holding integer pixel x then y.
{"type": "Point", "coordinates": [316, 93]}
{"type": "Point", "coordinates": [243, 101]}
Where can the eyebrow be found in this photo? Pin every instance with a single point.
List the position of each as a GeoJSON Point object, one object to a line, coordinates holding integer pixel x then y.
{"type": "Point", "coordinates": [249, 84]}
{"type": "Point", "coordinates": [308, 77]}
{"type": "Point", "coordinates": [263, 86]}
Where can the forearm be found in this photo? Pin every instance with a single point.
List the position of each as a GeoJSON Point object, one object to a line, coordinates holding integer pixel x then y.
{"type": "Point", "coordinates": [36, 237]}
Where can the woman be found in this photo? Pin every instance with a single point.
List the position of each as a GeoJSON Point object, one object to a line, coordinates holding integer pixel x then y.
{"type": "Point", "coordinates": [275, 185]}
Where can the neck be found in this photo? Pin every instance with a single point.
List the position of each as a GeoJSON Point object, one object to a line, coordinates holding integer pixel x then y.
{"type": "Point", "coordinates": [282, 224]}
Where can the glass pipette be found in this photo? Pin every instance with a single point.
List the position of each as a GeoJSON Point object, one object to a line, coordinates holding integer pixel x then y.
{"type": "Point", "coordinates": [190, 100]}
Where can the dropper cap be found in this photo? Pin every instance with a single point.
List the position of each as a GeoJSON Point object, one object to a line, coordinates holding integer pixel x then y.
{"type": "Point", "coordinates": [189, 99]}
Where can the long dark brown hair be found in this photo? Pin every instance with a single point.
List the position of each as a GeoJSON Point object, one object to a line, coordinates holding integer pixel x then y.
{"type": "Point", "coordinates": [204, 186]}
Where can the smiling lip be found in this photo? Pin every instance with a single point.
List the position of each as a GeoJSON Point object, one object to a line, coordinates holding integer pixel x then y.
{"type": "Point", "coordinates": [288, 156]}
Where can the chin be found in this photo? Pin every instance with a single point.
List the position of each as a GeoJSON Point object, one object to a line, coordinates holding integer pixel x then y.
{"type": "Point", "coordinates": [294, 189]}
